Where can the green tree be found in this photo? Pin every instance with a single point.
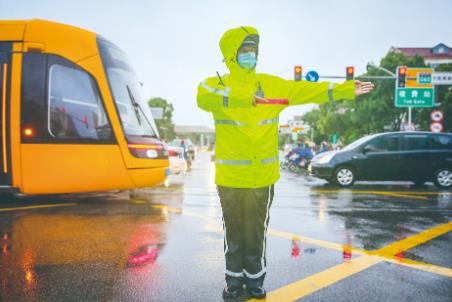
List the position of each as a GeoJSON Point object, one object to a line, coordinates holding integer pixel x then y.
{"type": "Point", "coordinates": [165, 125]}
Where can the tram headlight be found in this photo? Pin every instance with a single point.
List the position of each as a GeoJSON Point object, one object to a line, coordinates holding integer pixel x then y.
{"type": "Point", "coordinates": [152, 153]}
{"type": "Point", "coordinates": [28, 132]}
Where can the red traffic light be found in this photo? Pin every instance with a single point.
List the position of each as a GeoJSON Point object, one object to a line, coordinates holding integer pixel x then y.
{"type": "Point", "coordinates": [297, 73]}
{"type": "Point", "coordinates": [402, 70]}
{"type": "Point", "coordinates": [401, 76]}
{"type": "Point", "coordinates": [350, 73]}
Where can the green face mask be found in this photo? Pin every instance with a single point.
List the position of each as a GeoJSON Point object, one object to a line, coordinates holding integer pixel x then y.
{"type": "Point", "coordinates": [247, 60]}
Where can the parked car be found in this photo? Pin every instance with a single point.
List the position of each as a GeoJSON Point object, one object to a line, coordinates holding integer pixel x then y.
{"type": "Point", "coordinates": [392, 156]}
{"type": "Point", "coordinates": [177, 161]}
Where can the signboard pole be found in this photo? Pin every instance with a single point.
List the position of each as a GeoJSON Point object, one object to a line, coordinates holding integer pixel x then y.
{"type": "Point", "coordinates": [409, 115]}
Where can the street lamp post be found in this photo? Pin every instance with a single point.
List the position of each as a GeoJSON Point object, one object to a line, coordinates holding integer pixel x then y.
{"type": "Point", "coordinates": [372, 64]}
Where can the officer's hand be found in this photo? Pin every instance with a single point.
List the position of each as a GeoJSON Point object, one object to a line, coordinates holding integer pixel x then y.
{"type": "Point", "coordinates": [259, 99]}
{"type": "Point", "coordinates": [363, 87]}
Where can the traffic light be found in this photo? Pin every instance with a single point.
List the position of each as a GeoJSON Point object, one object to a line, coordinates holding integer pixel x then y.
{"type": "Point", "coordinates": [350, 73]}
{"type": "Point", "coordinates": [401, 76]}
{"type": "Point", "coordinates": [298, 73]}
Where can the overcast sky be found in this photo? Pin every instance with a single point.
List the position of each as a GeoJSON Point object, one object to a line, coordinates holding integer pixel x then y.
{"type": "Point", "coordinates": [173, 45]}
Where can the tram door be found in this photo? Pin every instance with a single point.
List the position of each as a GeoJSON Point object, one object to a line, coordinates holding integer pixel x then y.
{"type": "Point", "coordinates": [5, 149]}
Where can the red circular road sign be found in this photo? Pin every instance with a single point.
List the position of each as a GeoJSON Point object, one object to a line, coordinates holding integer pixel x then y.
{"type": "Point", "coordinates": [437, 116]}
{"type": "Point", "coordinates": [436, 127]}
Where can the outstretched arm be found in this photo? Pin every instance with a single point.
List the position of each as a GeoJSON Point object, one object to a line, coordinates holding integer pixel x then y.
{"type": "Point", "coordinates": [363, 87]}
{"type": "Point", "coordinates": [308, 92]}
{"type": "Point", "coordinates": [303, 92]}
{"type": "Point", "coordinates": [213, 96]}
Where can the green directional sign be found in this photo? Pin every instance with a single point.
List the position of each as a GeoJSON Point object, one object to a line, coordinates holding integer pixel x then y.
{"type": "Point", "coordinates": [414, 88]}
{"type": "Point", "coordinates": [415, 97]}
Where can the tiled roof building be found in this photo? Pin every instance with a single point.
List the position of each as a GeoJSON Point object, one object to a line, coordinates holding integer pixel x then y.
{"type": "Point", "coordinates": [439, 54]}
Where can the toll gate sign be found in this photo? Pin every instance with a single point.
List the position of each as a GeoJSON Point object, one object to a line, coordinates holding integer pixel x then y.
{"type": "Point", "coordinates": [417, 89]}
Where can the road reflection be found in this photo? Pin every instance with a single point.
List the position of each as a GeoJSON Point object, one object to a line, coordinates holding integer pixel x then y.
{"type": "Point", "coordinates": [99, 242]}
{"type": "Point", "coordinates": [374, 216]}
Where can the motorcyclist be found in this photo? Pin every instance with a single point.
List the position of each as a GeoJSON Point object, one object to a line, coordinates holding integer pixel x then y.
{"type": "Point", "coordinates": [303, 152]}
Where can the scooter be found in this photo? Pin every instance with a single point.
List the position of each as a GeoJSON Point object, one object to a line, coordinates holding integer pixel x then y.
{"type": "Point", "coordinates": [299, 165]}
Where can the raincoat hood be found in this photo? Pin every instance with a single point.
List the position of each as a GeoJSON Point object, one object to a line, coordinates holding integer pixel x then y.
{"type": "Point", "coordinates": [230, 44]}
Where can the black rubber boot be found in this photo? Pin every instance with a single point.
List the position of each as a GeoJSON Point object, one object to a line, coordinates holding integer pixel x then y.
{"type": "Point", "coordinates": [256, 292]}
{"type": "Point", "coordinates": [231, 292]}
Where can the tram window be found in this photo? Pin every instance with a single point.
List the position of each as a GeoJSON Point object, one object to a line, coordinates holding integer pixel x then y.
{"type": "Point", "coordinates": [75, 108]}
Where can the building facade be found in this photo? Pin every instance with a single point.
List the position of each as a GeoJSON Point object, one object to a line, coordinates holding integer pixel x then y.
{"type": "Point", "coordinates": [437, 55]}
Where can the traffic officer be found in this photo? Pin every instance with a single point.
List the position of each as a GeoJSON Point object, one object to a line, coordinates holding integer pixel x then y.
{"type": "Point", "coordinates": [245, 106]}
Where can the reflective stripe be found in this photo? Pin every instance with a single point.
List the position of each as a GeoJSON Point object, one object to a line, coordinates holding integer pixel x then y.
{"type": "Point", "coordinates": [264, 250]}
{"type": "Point", "coordinates": [215, 90]}
{"type": "Point", "coordinates": [255, 276]}
{"type": "Point", "coordinates": [224, 93]}
{"type": "Point", "coordinates": [233, 162]}
{"type": "Point", "coordinates": [269, 121]}
{"type": "Point", "coordinates": [226, 246]}
{"type": "Point", "coordinates": [264, 243]}
{"type": "Point", "coordinates": [269, 160]}
{"type": "Point", "coordinates": [330, 91]}
{"type": "Point", "coordinates": [232, 274]}
{"type": "Point", "coordinates": [230, 122]}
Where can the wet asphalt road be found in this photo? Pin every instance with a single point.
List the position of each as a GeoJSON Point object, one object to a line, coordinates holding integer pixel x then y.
{"type": "Point", "coordinates": [374, 242]}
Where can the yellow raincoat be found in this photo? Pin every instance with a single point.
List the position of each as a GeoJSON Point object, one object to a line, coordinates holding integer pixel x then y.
{"type": "Point", "coordinates": [246, 149]}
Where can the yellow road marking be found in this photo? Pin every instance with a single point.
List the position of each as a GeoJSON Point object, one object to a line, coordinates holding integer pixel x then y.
{"type": "Point", "coordinates": [168, 208]}
{"type": "Point", "coordinates": [427, 267]}
{"type": "Point", "coordinates": [415, 240]}
{"type": "Point", "coordinates": [38, 207]}
{"type": "Point", "coordinates": [425, 193]}
{"type": "Point", "coordinates": [384, 257]}
{"type": "Point", "coordinates": [138, 201]}
{"type": "Point", "coordinates": [330, 276]}
{"type": "Point", "coordinates": [306, 286]}
{"type": "Point", "coordinates": [180, 211]}
{"type": "Point", "coordinates": [414, 195]}
{"type": "Point", "coordinates": [402, 195]}
{"type": "Point", "coordinates": [316, 242]}
{"type": "Point", "coordinates": [313, 283]}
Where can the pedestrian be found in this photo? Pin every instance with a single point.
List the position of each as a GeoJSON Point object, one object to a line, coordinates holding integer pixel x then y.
{"type": "Point", "coordinates": [340, 143]}
{"type": "Point", "coordinates": [186, 155]}
{"type": "Point", "coordinates": [324, 146]}
{"type": "Point", "coordinates": [246, 106]}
